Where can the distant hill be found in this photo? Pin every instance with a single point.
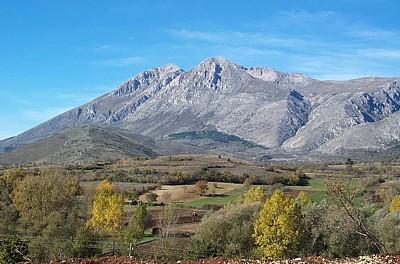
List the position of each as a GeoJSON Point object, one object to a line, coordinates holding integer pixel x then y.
{"type": "Point", "coordinates": [92, 143]}
{"type": "Point", "coordinates": [83, 144]}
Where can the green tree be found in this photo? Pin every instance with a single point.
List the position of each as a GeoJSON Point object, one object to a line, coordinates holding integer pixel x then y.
{"type": "Point", "coordinates": [40, 198]}
{"type": "Point", "coordinates": [86, 244]}
{"type": "Point", "coordinates": [136, 227]}
{"type": "Point", "coordinates": [48, 207]}
{"type": "Point", "coordinates": [9, 214]}
{"type": "Point", "coordinates": [277, 231]}
{"type": "Point", "coordinates": [255, 194]}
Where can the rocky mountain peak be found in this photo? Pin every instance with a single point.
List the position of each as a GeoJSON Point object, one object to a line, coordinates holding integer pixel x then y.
{"type": "Point", "coordinates": [265, 74]}
{"type": "Point", "coordinates": [217, 63]}
{"type": "Point", "coordinates": [169, 68]}
{"type": "Point", "coordinates": [271, 75]}
{"type": "Point", "coordinates": [164, 75]}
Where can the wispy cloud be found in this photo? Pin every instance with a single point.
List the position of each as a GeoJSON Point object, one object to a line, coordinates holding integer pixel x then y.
{"type": "Point", "coordinates": [76, 98]}
{"type": "Point", "coordinates": [121, 62]}
{"type": "Point", "coordinates": [349, 56]}
{"type": "Point", "coordinates": [238, 38]}
{"type": "Point", "coordinates": [372, 33]}
{"type": "Point", "coordinates": [380, 53]}
{"type": "Point", "coordinates": [102, 47]}
{"type": "Point", "coordinates": [305, 16]}
{"type": "Point", "coordinates": [43, 114]}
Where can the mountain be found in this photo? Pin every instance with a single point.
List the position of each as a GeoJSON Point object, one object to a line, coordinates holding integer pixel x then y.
{"type": "Point", "coordinates": [277, 112]}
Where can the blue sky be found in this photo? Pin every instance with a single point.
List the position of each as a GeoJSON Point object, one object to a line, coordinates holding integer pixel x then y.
{"type": "Point", "coordinates": [55, 55]}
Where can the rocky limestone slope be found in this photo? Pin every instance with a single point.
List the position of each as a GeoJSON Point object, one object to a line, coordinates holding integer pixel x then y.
{"type": "Point", "coordinates": [280, 111]}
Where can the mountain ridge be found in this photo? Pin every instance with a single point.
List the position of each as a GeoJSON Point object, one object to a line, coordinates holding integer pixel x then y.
{"type": "Point", "coordinates": [278, 111]}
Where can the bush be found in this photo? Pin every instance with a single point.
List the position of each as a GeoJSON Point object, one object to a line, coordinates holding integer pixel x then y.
{"type": "Point", "coordinates": [227, 232]}
{"type": "Point", "coordinates": [12, 251]}
{"type": "Point", "coordinates": [329, 233]}
{"type": "Point", "coordinates": [387, 228]}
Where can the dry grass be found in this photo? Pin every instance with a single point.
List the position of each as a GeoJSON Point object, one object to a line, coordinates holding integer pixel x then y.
{"type": "Point", "coordinates": [186, 193]}
{"type": "Point", "coordinates": [90, 187]}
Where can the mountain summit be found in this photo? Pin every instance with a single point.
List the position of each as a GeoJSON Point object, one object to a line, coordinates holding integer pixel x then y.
{"type": "Point", "coordinates": [287, 112]}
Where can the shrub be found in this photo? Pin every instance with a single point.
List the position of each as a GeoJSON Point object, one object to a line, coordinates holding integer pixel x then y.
{"type": "Point", "coordinates": [330, 231]}
{"type": "Point", "coordinates": [387, 228]}
{"type": "Point", "coordinates": [12, 251]}
{"type": "Point", "coordinates": [227, 232]}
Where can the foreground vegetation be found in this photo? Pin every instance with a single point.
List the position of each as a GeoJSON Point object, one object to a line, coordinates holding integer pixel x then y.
{"type": "Point", "coordinates": [199, 206]}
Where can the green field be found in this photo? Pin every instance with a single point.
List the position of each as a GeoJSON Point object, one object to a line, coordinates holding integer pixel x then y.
{"type": "Point", "coordinates": [233, 196]}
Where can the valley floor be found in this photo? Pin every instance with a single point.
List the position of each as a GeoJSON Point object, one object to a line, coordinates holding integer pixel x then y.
{"type": "Point", "coordinates": [376, 259]}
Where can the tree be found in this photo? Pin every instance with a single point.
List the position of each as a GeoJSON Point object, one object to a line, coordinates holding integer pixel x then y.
{"type": "Point", "coordinates": [277, 231]}
{"type": "Point", "coordinates": [395, 204]}
{"type": "Point", "coordinates": [151, 197]}
{"type": "Point", "coordinates": [9, 214]}
{"type": "Point", "coordinates": [167, 219]}
{"type": "Point", "coordinates": [201, 187]}
{"type": "Point", "coordinates": [136, 226]}
{"type": "Point", "coordinates": [38, 198]}
{"type": "Point", "coordinates": [303, 199]}
{"type": "Point", "coordinates": [349, 162]}
{"type": "Point", "coordinates": [48, 207]}
{"type": "Point", "coordinates": [86, 244]}
{"type": "Point", "coordinates": [107, 209]}
{"type": "Point", "coordinates": [255, 194]}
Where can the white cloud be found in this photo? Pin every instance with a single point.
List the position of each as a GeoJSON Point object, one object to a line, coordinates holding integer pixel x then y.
{"type": "Point", "coordinates": [120, 62]}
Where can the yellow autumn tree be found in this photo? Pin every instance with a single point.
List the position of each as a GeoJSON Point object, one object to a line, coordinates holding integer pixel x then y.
{"type": "Point", "coordinates": [107, 209]}
{"type": "Point", "coordinates": [303, 199]}
{"type": "Point", "coordinates": [395, 204]}
{"type": "Point", "coordinates": [255, 194]}
{"type": "Point", "coordinates": [277, 231]}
